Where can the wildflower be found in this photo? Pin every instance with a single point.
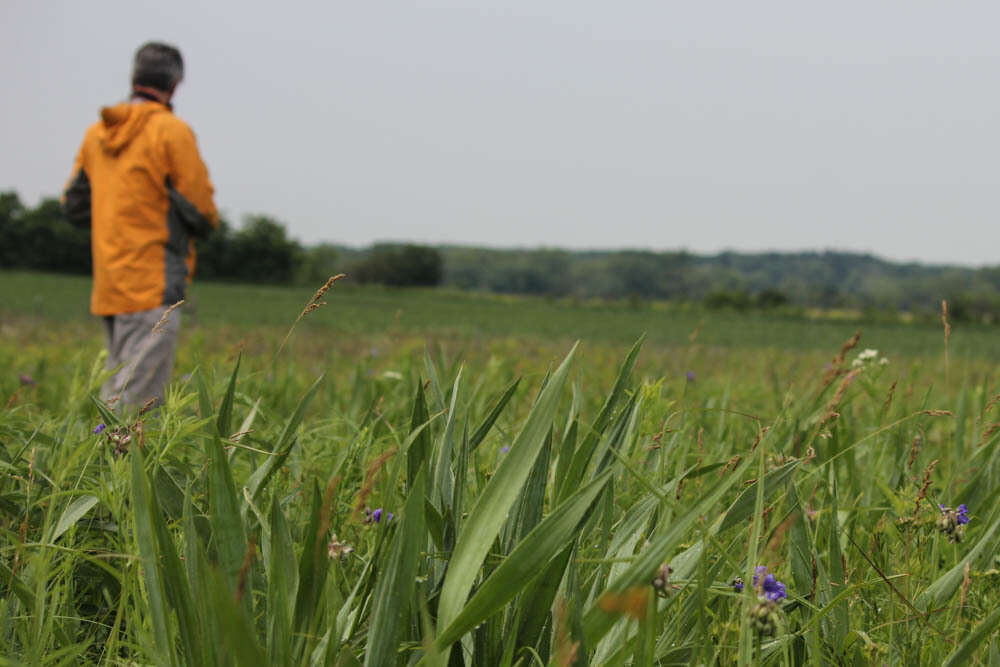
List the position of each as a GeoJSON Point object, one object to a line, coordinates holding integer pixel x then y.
{"type": "Point", "coordinates": [26, 380]}
{"type": "Point", "coordinates": [773, 589]}
{"type": "Point", "coordinates": [690, 376]}
{"type": "Point", "coordinates": [952, 522]}
{"type": "Point", "coordinates": [375, 516]}
{"type": "Point", "coordinates": [766, 584]}
{"type": "Point", "coordinates": [99, 428]}
{"type": "Point", "coordinates": [869, 356]}
{"type": "Point", "coordinates": [504, 449]}
{"type": "Point", "coordinates": [337, 549]}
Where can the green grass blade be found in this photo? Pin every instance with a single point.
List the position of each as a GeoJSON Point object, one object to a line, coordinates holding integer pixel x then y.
{"type": "Point", "coordinates": [204, 397]}
{"type": "Point", "coordinates": [150, 563]}
{"type": "Point", "coordinates": [939, 592]}
{"type": "Point", "coordinates": [840, 620]}
{"type": "Point", "coordinates": [484, 428]}
{"type": "Point", "coordinates": [642, 569]}
{"type": "Point", "coordinates": [743, 507]}
{"type": "Point", "coordinates": [282, 582]}
{"type": "Point", "coordinates": [964, 652]}
{"type": "Point", "coordinates": [582, 454]}
{"type": "Point", "coordinates": [283, 447]}
{"type": "Point", "coordinates": [224, 422]}
{"type": "Point", "coordinates": [524, 563]}
{"type": "Point", "coordinates": [443, 481]}
{"type": "Point", "coordinates": [313, 566]}
{"type": "Point", "coordinates": [175, 583]}
{"type": "Point", "coordinates": [237, 633]}
{"type": "Point", "coordinates": [228, 531]}
{"type": "Point", "coordinates": [491, 507]}
{"type": "Point", "coordinates": [73, 513]}
{"type": "Point", "coordinates": [393, 597]}
{"type": "Point", "coordinates": [420, 448]}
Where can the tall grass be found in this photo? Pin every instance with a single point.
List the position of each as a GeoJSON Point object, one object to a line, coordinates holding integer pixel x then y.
{"type": "Point", "coordinates": [554, 512]}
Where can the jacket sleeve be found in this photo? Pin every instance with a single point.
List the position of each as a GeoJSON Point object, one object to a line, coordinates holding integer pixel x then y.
{"type": "Point", "coordinates": [188, 184]}
{"type": "Point", "coordinates": [76, 196]}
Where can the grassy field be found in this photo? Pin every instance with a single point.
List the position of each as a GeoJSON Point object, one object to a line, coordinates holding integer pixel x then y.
{"type": "Point", "coordinates": [553, 502]}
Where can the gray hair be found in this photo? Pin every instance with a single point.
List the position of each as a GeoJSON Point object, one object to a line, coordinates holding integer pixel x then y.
{"type": "Point", "coordinates": [158, 65]}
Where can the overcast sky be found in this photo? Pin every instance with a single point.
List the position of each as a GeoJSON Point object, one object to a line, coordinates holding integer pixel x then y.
{"type": "Point", "coordinates": [867, 126]}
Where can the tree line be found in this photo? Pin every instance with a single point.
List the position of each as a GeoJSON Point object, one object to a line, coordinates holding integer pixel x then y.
{"type": "Point", "coordinates": [260, 250]}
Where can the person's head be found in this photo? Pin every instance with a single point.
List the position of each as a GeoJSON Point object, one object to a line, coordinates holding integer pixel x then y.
{"type": "Point", "coordinates": [157, 70]}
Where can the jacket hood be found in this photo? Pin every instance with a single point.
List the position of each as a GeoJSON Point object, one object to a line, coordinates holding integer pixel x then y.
{"type": "Point", "coordinates": [121, 123]}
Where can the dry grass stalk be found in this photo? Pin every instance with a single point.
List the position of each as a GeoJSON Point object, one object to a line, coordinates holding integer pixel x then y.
{"type": "Point", "coordinates": [12, 400]}
{"type": "Point", "coordinates": [888, 399]}
{"type": "Point", "coordinates": [369, 484]}
{"type": "Point", "coordinates": [947, 335]}
{"type": "Point", "coordinates": [914, 450]}
{"type": "Point", "coordinates": [831, 408]}
{"type": "Point", "coordinates": [566, 649]}
{"type": "Point", "coordinates": [313, 304]}
{"type": "Point", "coordinates": [838, 361]}
{"type": "Point", "coordinates": [760, 434]}
{"type": "Point", "coordinates": [324, 510]}
{"type": "Point", "coordinates": [993, 401]}
{"type": "Point", "coordinates": [730, 464]}
{"type": "Point", "coordinates": [158, 327]}
{"type": "Point", "coordinates": [247, 561]}
{"type": "Point", "coordinates": [938, 413]}
{"type": "Point", "coordinates": [990, 430]}
{"type": "Point", "coordinates": [694, 334]}
{"type": "Point", "coordinates": [924, 486]}
{"type": "Point", "coordinates": [632, 601]}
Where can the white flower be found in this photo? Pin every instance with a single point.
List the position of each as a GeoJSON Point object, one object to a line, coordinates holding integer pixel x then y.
{"type": "Point", "coordinates": [868, 356]}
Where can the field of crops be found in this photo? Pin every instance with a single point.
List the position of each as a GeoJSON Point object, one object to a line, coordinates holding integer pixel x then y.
{"type": "Point", "coordinates": [441, 478]}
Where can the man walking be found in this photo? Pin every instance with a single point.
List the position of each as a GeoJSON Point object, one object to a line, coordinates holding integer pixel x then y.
{"type": "Point", "coordinates": [141, 186]}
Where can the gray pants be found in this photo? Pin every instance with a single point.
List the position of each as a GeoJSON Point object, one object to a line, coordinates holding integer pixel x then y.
{"type": "Point", "coordinates": [145, 356]}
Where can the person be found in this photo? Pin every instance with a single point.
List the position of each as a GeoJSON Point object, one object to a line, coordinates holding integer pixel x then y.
{"type": "Point", "coordinates": [140, 184]}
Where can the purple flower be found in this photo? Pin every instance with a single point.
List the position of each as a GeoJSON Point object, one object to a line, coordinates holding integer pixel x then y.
{"type": "Point", "coordinates": [26, 380]}
{"type": "Point", "coordinates": [767, 585]}
{"type": "Point", "coordinates": [962, 514]}
{"type": "Point", "coordinates": [376, 516]}
{"type": "Point", "coordinates": [504, 449]}
{"type": "Point", "coordinates": [690, 376]}
{"type": "Point", "coordinates": [773, 589]}
{"type": "Point", "coordinates": [99, 428]}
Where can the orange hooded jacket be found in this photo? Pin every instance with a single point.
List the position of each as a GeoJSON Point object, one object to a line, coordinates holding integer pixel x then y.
{"type": "Point", "coordinates": [140, 184]}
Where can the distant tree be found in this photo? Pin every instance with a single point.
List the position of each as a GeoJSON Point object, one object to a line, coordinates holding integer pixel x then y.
{"type": "Point", "coordinates": [319, 263]}
{"type": "Point", "coordinates": [11, 230]}
{"type": "Point", "coordinates": [723, 298]}
{"type": "Point", "coordinates": [40, 238]}
{"type": "Point", "coordinates": [55, 243]}
{"type": "Point", "coordinates": [261, 252]}
{"type": "Point", "coordinates": [400, 266]}
{"type": "Point", "coordinates": [771, 298]}
{"type": "Point", "coordinates": [215, 254]}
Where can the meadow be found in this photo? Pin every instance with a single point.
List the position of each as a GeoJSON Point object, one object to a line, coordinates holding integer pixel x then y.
{"type": "Point", "coordinates": [444, 478]}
